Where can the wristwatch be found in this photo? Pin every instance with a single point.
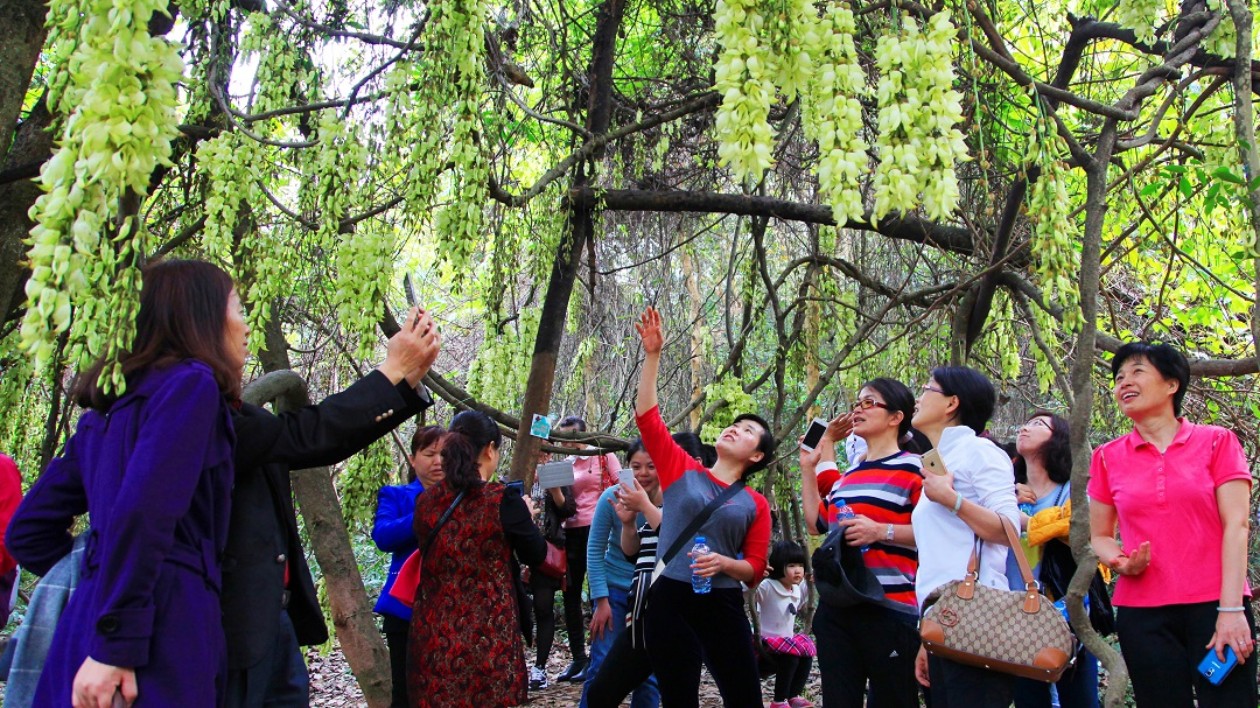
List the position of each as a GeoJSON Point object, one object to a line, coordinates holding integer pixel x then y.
{"type": "Point", "coordinates": [889, 536]}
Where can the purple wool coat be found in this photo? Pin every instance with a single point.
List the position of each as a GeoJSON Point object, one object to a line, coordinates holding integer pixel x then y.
{"type": "Point", "coordinates": [155, 474]}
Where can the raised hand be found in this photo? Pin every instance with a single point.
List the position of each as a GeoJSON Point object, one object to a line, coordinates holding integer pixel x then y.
{"type": "Point", "coordinates": [649, 329]}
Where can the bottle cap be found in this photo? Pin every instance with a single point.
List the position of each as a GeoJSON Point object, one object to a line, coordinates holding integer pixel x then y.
{"type": "Point", "coordinates": [699, 539]}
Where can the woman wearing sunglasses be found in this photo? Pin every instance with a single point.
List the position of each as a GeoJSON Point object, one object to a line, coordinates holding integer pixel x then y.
{"type": "Point", "coordinates": [874, 642]}
{"type": "Point", "coordinates": [965, 501]}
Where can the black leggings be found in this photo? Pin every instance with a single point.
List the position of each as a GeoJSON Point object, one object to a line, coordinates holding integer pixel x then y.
{"type": "Point", "coordinates": [544, 590]}
{"type": "Point", "coordinates": [867, 643]}
{"type": "Point", "coordinates": [623, 669]}
{"type": "Point", "coordinates": [396, 639]}
{"type": "Point", "coordinates": [575, 550]}
{"type": "Point", "coordinates": [790, 674]}
{"type": "Point", "coordinates": [1163, 647]}
{"type": "Point", "coordinates": [681, 625]}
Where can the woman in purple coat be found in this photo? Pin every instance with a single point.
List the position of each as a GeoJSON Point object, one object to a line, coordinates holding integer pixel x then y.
{"type": "Point", "coordinates": [153, 468]}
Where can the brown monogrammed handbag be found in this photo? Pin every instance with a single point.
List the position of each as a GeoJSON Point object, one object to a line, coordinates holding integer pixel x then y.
{"type": "Point", "coordinates": [1011, 631]}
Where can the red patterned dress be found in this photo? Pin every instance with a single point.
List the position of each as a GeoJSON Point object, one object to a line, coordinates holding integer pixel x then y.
{"type": "Point", "coordinates": [465, 646]}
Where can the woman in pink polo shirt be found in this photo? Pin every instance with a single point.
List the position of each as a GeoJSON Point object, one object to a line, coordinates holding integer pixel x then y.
{"type": "Point", "coordinates": [1180, 494]}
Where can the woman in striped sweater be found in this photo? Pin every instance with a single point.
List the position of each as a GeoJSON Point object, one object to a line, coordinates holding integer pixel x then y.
{"type": "Point", "coordinates": [875, 642]}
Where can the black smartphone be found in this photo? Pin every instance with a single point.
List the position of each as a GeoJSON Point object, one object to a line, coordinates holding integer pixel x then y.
{"type": "Point", "coordinates": [518, 485]}
{"type": "Point", "coordinates": [817, 427]}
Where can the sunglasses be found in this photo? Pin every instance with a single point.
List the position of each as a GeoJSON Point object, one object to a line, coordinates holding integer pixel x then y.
{"type": "Point", "coordinates": [864, 404]}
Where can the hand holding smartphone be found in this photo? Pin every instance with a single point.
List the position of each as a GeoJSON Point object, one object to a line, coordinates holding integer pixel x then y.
{"type": "Point", "coordinates": [626, 477]}
{"type": "Point", "coordinates": [817, 427]}
{"type": "Point", "coordinates": [932, 462]}
{"type": "Point", "coordinates": [1215, 670]}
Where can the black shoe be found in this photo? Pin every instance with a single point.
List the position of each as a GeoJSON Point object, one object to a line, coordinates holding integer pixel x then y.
{"type": "Point", "coordinates": [574, 672]}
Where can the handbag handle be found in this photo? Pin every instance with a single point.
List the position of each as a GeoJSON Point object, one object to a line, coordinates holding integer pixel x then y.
{"type": "Point", "coordinates": [1032, 594]}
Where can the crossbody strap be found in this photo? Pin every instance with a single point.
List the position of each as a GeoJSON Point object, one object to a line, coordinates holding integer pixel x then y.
{"type": "Point", "coordinates": [446, 515]}
{"type": "Point", "coordinates": [699, 520]}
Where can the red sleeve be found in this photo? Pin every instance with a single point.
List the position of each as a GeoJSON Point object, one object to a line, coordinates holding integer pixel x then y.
{"type": "Point", "coordinates": [671, 460]}
{"type": "Point", "coordinates": [826, 480]}
{"type": "Point", "coordinates": [10, 497]}
{"type": "Point", "coordinates": [757, 542]}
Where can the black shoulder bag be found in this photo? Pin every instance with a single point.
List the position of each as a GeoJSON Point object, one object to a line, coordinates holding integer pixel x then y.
{"type": "Point", "coordinates": [694, 526]}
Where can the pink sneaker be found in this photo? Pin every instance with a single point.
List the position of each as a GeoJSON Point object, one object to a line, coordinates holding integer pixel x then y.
{"type": "Point", "coordinates": [779, 704]}
{"type": "Point", "coordinates": [799, 702]}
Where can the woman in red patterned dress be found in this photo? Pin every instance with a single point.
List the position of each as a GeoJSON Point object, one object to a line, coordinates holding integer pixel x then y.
{"type": "Point", "coordinates": [465, 647]}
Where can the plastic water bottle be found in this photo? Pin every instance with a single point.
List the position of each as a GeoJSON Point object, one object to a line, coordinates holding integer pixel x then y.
{"type": "Point", "coordinates": [844, 511]}
{"type": "Point", "coordinates": [1026, 509]}
{"type": "Point", "coordinates": [700, 585]}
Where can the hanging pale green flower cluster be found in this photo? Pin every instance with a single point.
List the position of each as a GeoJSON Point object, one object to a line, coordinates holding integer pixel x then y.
{"type": "Point", "coordinates": [794, 33]}
{"type": "Point", "coordinates": [415, 128]}
{"type": "Point", "coordinates": [116, 89]}
{"type": "Point", "coordinates": [498, 374]}
{"type": "Point", "coordinates": [1141, 16]}
{"type": "Point", "coordinates": [744, 76]}
{"type": "Point", "coordinates": [832, 115]}
{"type": "Point", "coordinates": [917, 140]}
{"type": "Point", "coordinates": [1223, 42]}
{"type": "Point", "coordinates": [1055, 261]}
{"type": "Point", "coordinates": [225, 163]}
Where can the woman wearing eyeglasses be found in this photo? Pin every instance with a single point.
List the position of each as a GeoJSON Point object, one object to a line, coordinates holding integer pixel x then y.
{"type": "Point", "coordinates": [965, 502]}
{"type": "Point", "coordinates": [874, 642]}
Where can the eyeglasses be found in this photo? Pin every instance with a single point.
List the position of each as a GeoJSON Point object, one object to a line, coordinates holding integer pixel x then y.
{"type": "Point", "coordinates": [867, 404]}
{"type": "Point", "coordinates": [1038, 423]}
{"type": "Point", "coordinates": [930, 387]}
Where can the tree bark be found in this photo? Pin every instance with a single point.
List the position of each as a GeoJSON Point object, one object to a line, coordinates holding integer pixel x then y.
{"type": "Point", "coordinates": [692, 276]}
{"type": "Point", "coordinates": [353, 623]}
{"type": "Point", "coordinates": [32, 144]}
{"type": "Point", "coordinates": [542, 369]}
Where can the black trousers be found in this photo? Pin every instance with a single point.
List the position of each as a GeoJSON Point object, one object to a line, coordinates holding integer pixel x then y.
{"type": "Point", "coordinates": [623, 669]}
{"type": "Point", "coordinates": [395, 630]}
{"type": "Point", "coordinates": [681, 626]}
{"type": "Point", "coordinates": [866, 643]}
{"type": "Point", "coordinates": [957, 685]}
{"type": "Point", "coordinates": [575, 550]}
{"type": "Point", "coordinates": [543, 588]}
{"type": "Point", "coordinates": [1163, 646]}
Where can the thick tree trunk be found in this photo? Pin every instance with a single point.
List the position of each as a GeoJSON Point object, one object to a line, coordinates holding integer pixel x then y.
{"type": "Point", "coordinates": [692, 276]}
{"type": "Point", "coordinates": [353, 623]}
{"type": "Point", "coordinates": [542, 369]}
{"type": "Point", "coordinates": [32, 145]}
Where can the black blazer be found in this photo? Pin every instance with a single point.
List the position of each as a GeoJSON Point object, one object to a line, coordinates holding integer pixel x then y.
{"type": "Point", "coordinates": [263, 533]}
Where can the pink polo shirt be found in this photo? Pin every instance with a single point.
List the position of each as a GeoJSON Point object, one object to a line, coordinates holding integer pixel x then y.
{"type": "Point", "coordinates": [588, 475]}
{"type": "Point", "coordinates": [1169, 499]}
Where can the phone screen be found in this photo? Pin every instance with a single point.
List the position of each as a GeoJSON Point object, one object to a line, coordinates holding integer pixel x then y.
{"type": "Point", "coordinates": [816, 429]}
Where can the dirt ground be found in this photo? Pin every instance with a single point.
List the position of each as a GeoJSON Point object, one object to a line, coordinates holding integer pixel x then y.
{"type": "Point", "coordinates": [333, 685]}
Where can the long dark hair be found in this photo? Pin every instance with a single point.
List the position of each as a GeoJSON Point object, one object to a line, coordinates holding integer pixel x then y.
{"type": "Point", "coordinates": [1055, 453]}
{"type": "Point", "coordinates": [468, 435]}
{"type": "Point", "coordinates": [183, 315]}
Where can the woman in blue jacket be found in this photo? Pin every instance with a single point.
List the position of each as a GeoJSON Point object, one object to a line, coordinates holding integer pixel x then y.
{"type": "Point", "coordinates": [153, 467]}
{"type": "Point", "coordinates": [392, 532]}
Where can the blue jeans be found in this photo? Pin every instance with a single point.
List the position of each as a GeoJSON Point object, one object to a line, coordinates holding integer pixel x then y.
{"type": "Point", "coordinates": [646, 695]}
{"type": "Point", "coordinates": [278, 681]}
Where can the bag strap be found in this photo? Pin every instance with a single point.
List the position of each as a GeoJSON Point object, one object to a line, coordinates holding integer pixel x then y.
{"type": "Point", "coordinates": [446, 515]}
{"type": "Point", "coordinates": [699, 520]}
{"type": "Point", "coordinates": [1032, 594]}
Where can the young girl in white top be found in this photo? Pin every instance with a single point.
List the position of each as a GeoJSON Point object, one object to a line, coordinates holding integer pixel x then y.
{"type": "Point", "coordinates": [779, 599]}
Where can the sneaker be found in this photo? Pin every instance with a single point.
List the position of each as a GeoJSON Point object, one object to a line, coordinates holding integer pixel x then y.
{"type": "Point", "coordinates": [574, 672]}
{"type": "Point", "coordinates": [798, 702]}
{"type": "Point", "coordinates": [779, 704]}
{"type": "Point", "coordinates": [537, 679]}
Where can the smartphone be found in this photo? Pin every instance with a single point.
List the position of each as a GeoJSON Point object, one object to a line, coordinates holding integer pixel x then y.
{"type": "Point", "coordinates": [817, 427]}
{"type": "Point", "coordinates": [932, 462]}
{"type": "Point", "coordinates": [626, 477]}
{"type": "Point", "coordinates": [1215, 670]}
{"type": "Point", "coordinates": [518, 485]}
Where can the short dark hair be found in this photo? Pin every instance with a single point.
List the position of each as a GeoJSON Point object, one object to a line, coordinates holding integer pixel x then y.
{"type": "Point", "coordinates": [899, 399]}
{"type": "Point", "coordinates": [765, 445]}
{"type": "Point", "coordinates": [572, 421]}
{"type": "Point", "coordinates": [1167, 360]}
{"type": "Point", "coordinates": [1055, 453]}
{"type": "Point", "coordinates": [425, 436]}
{"type": "Point", "coordinates": [692, 445]}
{"type": "Point", "coordinates": [183, 315]}
{"type": "Point", "coordinates": [783, 554]}
{"type": "Point", "coordinates": [976, 395]}
{"type": "Point", "coordinates": [470, 433]}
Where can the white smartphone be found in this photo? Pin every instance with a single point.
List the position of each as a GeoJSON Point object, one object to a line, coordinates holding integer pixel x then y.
{"type": "Point", "coordinates": [817, 427]}
{"type": "Point", "coordinates": [625, 475]}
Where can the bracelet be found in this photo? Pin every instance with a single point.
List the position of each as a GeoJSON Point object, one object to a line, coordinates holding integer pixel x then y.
{"type": "Point", "coordinates": [958, 500]}
{"type": "Point", "coordinates": [1240, 608]}
{"type": "Point", "coordinates": [889, 536]}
